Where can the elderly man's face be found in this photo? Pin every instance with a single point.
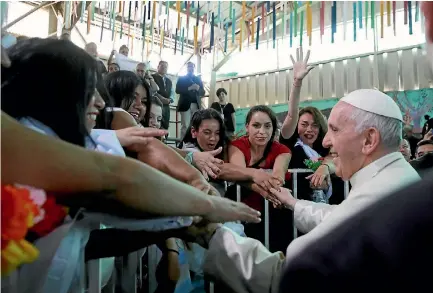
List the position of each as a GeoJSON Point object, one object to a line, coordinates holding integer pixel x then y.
{"type": "Point", "coordinates": [405, 149]}
{"type": "Point", "coordinates": [345, 143]}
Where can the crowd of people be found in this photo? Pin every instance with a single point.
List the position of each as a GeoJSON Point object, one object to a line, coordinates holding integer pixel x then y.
{"type": "Point", "coordinates": [86, 175]}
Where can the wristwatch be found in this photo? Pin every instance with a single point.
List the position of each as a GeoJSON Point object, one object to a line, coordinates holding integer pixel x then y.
{"type": "Point", "coordinates": [189, 157]}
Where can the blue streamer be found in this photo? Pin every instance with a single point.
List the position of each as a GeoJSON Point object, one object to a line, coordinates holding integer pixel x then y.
{"type": "Point", "coordinates": [226, 37]}
{"type": "Point", "coordinates": [268, 6]}
{"type": "Point", "coordinates": [409, 8]}
{"type": "Point", "coordinates": [212, 31]}
{"type": "Point", "coordinates": [333, 20]}
{"type": "Point", "coordinates": [360, 13]}
{"type": "Point", "coordinates": [83, 9]}
{"type": "Point", "coordinates": [274, 25]}
{"type": "Point", "coordinates": [354, 21]}
{"type": "Point", "coordinates": [233, 26]}
{"type": "Point", "coordinates": [291, 29]}
{"type": "Point", "coordinates": [258, 34]}
{"type": "Point", "coordinates": [192, 4]}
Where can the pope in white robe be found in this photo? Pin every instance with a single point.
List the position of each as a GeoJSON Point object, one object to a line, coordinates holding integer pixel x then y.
{"type": "Point", "coordinates": [363, 150]}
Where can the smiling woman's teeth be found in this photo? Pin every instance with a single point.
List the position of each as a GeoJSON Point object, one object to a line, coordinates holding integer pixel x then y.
{"type": "Point", "coordinates": [92, 116]}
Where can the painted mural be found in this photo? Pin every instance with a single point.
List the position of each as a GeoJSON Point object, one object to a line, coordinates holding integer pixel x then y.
{"type": "Point", "coordinates": [414, 104]}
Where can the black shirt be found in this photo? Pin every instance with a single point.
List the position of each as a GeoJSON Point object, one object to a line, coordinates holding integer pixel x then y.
{"type": "Point", "coordinates": [226, 111]}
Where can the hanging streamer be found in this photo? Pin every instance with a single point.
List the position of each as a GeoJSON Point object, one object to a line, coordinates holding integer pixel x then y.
{"type": "Point", "coordinates": [113, 23]}
{"type": "Point", "coordinates": [219, 19]}
{"type": "Point", "coordinates": [405, 12]}
{"type": "Point", "coordinates": [212, 31]}
{"type": "Point", "coordinates": [93, 10]}
{"type": "Point", "coordinates": [393, 18]}
{"type": "Point", "coordinates": [178, 14]}
{"type": "Point", "coordinates": [225, 37]}
{"type": "Point", "coordinates": [152, 26]}
{"type": "Point", "coordinates": [89, 19]}
{"type": "Point", "coordinates": [242, 25]}
{"type": "Point", "coordinates": [322, 21]}
{"type": "Point", "coordinates": [274, 25]}
{"type": "Point", "coordinates": [258, 34]}
{"type": "Point", "coordinates": [122, 7]}
{"type": "Point", "coordinates": [291, 29]}
{"type": "Point", "coordinates": [187, 20]}
{"type": "Point", "coordinates": [268, 31]}
{"type": "Point", "coordinates": [416, 11]}
{"type": "Point", "coordinates": [366, 19]}
{"type": "Point", "coordinates": [175, 41]}
{"type": "Point", "coordinates": [333, 20]}
{"type": "Point", "coordinates": [263, 19]}
{"type": "Point", "coordinates": [354, 21]}
{"type": "Point", "coordinates": [196, 42]}
{"type": "Point", "coordinates": [283, 31]}
{"type": "Point", "coordinates": [161, 44]}
{"type": "Point", "coordinates": [345, 5]}
{"type": "Point", "coordinates": [83, 9]}
{"type": "Point", "coordinates": [68, 14]}
{"type": "Point", "coordinates": [381, 19]}
{"type": "Point", "coordinates": [252, 23]}
{"type": "Point", "coordinates": [295, 19]}
{"type": "Point", "coordinates": [129, 20]}
{"type": "Point", "coordinates": [373, 13]}
{"type": "Point", "coordinates": [360, 14]}
{"type": "Point", "coordinates": [301, 29]}
{"type": "Point", "coordinates": [233, 27]}
{"type": "Point", "coordinates": [148, 9]}
{"type": "Point", "coordinates": [388, 13]}
{"type": "Point", "coordinates": [202, 34]}
{"type": "Point", "coordinates": [197, 17]}
{"type": "Point", "coordinates": [409, 8]}
{"type": "Point", "coordinates": [144, 28]}
{"type": "Point", "coordinates": [181, 39]}
{"type": "Point", "coordinates": [309, 23]}
{"type": "Point", "coordinates": [103, 22]}
{"type": "Point", "coordinates": [110, 14]}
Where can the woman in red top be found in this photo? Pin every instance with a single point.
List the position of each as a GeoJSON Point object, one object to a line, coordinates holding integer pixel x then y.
{"type": "Point", "coordinates": [258, 149]}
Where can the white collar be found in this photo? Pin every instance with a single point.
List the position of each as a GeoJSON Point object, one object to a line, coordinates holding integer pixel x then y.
{"type": "Point", "coordinates": [373, 169]}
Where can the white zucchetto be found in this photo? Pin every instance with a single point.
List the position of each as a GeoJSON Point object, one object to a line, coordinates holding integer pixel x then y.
{"type": "Point", "coordinates": [374, 101]}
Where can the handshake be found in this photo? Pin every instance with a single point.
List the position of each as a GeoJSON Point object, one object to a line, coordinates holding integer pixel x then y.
{"type": "Point", "coordinates": [270, 187]}
{"type": "Point", "coordinates": [194, 87]}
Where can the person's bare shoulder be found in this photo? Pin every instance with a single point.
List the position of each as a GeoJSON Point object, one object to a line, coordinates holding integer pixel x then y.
{"type": "Point", "coordinates": [122, 119]}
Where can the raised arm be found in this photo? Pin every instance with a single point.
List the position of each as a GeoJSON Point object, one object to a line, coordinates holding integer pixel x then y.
{"type": "Point", "coordinates": [300, 70]}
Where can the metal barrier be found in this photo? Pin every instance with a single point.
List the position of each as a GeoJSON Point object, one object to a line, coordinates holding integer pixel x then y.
{"type": "Point", "coordinates": [94, 272]}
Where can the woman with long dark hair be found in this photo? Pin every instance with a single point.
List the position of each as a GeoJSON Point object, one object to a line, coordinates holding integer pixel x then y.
{"type": "Point", "coordinates": [258, 150]}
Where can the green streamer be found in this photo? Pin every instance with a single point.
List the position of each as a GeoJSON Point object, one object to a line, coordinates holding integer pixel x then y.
{"type": "Point", "coordinates": [231, 9]}
{"type": "Point", "coordinates": [182, 40]}
{"type": "Point", "coordinates": [373, 14]}
{"type": "Point", "coordinates": [233, 26]}
{"type": "Point", "coordinates": [366, 16]}
{"type": "Point", "coordinates": [301, 29]}
{"type": "Point", "coordinates": [295, 20]}
{"type": "Point", "coordinates": [93, 10]}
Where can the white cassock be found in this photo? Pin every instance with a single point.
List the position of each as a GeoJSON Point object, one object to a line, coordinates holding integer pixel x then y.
{"type": "Point", "coordinates": [245, 265]}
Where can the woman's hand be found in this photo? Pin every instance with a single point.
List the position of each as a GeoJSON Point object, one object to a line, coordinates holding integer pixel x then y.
{"type": "Point", "coordinates": [284, 195]}
{"type": "Point", "coordinates": [319, 178]}
{"type": "Point", "coordinates": [428, 135]}
{"type": "Point", "coordinates": [300, 67]}
{"type": "Point", "coordinates": [226, 210]}
{"type": "Point", "coordinates": [207, 163]}
{"type": "Point", "coordinates": [138, 135]}
{"type": "Point", "coordinates": [266, 180]}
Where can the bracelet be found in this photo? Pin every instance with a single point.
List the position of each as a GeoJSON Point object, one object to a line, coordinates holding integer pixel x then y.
{"type": "Point", "coordinates": [189, 157]}
{"type": "Point", "coordinates": [172, 250]}
{"type": "Point", "coordinates": [329, 168]}
{"type": "Point", "coordinates": [297, 83]}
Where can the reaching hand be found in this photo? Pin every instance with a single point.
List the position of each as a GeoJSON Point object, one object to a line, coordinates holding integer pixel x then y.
{"type": "Point", "coordinates": [207, 164]}
{"type": "Point", "coordinates": [266, 180]}
{"type": "Point", "coordinates": [204, 186]}
{"type": "Point", "coordinates": [284, 195]}
{"type": "Point", "coordinates": [138, 135]}
{"type": "Point", "coordinates": [300, 67]}
{"type": "Point", "coordinates": [225, 210]}
{"type": "Point", "coordinates": [319, 178]}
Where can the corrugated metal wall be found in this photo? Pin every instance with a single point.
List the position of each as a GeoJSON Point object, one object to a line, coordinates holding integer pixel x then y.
{"type": "Point", "coordinates": [405, 69]}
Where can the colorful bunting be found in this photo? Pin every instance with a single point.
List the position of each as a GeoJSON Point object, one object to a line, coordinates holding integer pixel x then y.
{"type": "Point", "coordinates": [258, 35]}
{"type": "Point", "coordinates": [233, 27]}
{"type": "Point", "coordinates": [274, 25]}
{"type": "Point", "coordinates": [381, 19]}
{"type": "Point", "coordinates": [360, 14]}
{"type": "Point", "coordinates": [354, 21]}
{"type": "Point", "coordinates": [393, 18]}
{"type": "Point", "coordinates": [309, 23]}
{"type": "Point", "coordinates": [301, 29]}
{"type": "Point", "coordinates": [388, 13]}
{"type": "Point", "coordinates": [409, 7]}
{"type": "Point", "coordinates": [366, 19]}
{"type": "Point", "coordinates": [322, 22]}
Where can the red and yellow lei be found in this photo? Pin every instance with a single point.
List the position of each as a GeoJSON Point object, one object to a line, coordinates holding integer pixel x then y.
{"type": "Point", "coordinates": [25, 209]}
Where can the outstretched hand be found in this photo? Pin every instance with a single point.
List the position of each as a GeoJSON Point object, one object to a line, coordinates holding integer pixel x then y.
{"type": "Point", "coordinates": [226, 210]}
{"type": "Point", "coordinates": [136, 135]}
{"type": "Point", "coordinates": [207, 163]}
{"type": "Point", "coordinates": [300, 66]}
